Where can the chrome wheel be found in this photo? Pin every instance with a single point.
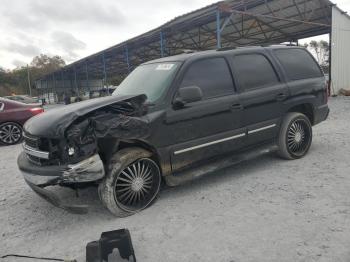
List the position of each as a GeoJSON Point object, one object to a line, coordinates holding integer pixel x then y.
{"type": "Point", "coordinates": [10, 133]}
{"type": "Point", "coordinates": [298, 137]}
{"type": "Point", "coordinates": [137, 185]}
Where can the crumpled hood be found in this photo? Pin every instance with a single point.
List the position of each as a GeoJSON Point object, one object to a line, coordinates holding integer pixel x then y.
{"type": "Point", "coordinates": [53, 123]}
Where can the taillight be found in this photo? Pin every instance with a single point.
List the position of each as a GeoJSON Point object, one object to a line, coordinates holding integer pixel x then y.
{"type": "Point", "coordinates": [36, 110]}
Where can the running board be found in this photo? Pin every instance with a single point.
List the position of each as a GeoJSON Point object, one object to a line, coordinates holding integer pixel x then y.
{"type": "Point", "coordinates": [226, 161]}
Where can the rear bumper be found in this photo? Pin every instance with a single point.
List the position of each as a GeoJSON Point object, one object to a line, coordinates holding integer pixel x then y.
{"type": "Point", "coordinates": [88, 170]}
{"type": "Point", "coordinates": [321, 114]}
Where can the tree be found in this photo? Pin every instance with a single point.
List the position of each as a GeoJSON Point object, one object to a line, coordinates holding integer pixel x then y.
{"type": "Point", "coordinates": [321, 51]}
{"type": "Point", "coordinates": [16, 81]}
{"type": "Point", "coordinates": [47, 64]}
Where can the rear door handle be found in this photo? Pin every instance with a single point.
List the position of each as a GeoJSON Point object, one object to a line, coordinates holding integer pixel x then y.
{"type": "Point", "coordinates": [237, 106]}
{"type": "Point", "coordinates": [281, 97]}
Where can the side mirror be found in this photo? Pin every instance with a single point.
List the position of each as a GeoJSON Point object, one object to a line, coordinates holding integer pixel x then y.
{"type": "Point", "coordinates": [188, 94]}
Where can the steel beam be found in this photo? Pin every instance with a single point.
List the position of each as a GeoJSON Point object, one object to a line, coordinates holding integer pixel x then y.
{"type": "Point", "coordinates": [47, 91]}
{"type": "Point", "coordinates": [76, 82]}
{"type": "Point", "coordinates": [87, 76]}
{"type": "Point", "coordinates": [161, 44]}
{"type": "Point", "coordinates": [127, 60]}
{"type": "Point", "coordinates": [105, 71]}
{"type": "Point", "coordinates": [280, 18]}
{"type": "Point", "coordinates": [63, 82]}
{"type": "Point", "coordinates": [54, 87]}
{"type": "Point", "coordinates": [218, 29]}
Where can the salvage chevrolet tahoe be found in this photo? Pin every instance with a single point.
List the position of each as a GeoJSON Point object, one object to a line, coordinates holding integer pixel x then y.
{"type": "Point", "coordinates": [173, 119]}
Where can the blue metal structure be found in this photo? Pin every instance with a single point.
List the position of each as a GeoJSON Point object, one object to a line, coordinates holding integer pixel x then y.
{"type": "Point", "coordinates": [161, 44]}
{"type": "Point", "coordinates": [220, 25]}
{"type": "Point", "coordinates": [127, 58]}
{"type": "Point", "coordinates": [218, 29]}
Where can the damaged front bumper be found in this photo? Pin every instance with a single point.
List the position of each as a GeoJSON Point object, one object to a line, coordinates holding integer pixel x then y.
{"type": "Point", "coordinates": [38, 177]}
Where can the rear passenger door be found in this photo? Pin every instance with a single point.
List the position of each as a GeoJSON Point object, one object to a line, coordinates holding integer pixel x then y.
{"type": "Point", "coordinates": [262, 93]}
{"type": "Point", "coordinates": [210, 127]}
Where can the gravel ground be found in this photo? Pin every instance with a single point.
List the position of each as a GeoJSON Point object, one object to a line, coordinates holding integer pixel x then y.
{"type": "Point", "coordinates": [266, 209]}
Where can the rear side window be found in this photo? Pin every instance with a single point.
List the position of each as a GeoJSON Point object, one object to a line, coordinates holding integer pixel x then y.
{"type": "Point", "coordinates": [2, 106]}
{"type": "Point", "coordinates": [298, 63]}
{"type": "Point", "coordinates": [254, 71]}
{"type": "Point", "coordinates": [212, 75]}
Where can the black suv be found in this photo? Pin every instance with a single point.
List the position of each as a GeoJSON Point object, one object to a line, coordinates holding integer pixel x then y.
{"type": "Point", "coordinates": [176, 118]}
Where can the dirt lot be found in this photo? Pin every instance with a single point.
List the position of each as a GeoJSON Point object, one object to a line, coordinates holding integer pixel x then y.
{"type": "Point", "coordinates": [263, 210]}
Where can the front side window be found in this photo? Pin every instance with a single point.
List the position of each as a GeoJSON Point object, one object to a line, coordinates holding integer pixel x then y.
{"type": "Point", "coordinates": [150, 79]}
{"type": "Point", "coordinates": [2, 105]}
{"type": "Point", "coordinates": [298, 63]}
{"type": "Point", "coordinates": [254, 71]}
{"type": "Point", "coordinates": [212, 75]}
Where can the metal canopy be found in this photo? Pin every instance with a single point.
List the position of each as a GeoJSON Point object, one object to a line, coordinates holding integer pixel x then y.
{"type": "Point", "coordinates": [223, 24]}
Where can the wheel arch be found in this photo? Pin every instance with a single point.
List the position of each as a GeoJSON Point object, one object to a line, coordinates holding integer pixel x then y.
{"type": "Point", "coordinates": [107, 147]}
{"type": "Point", "coordinates": [305, 108]}
{"type": "Point", "coordinates": [141, 144]}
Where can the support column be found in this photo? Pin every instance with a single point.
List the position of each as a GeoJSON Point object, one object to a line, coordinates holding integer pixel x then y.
{"type": "Point", "coordinates": [63, 83]}
{"type": "Point", "coordinates": [42, 89]}
{"type": "Point", "coordinates": [218, 29]}
{"type": "Point", "coordinates": [76, 82]}
{"type": "Point", "coordinates": [87, 77]}
{"type": "Point", "coordinates": [161, 44]}
{"type": "Point", "coordinates": [330, 64]}
{"type": "Point", "coordinates": [47, 91]}
{"type": "Point", "coordinates": [126, 54]}
{"type": "Point", "coordinates": [104, 71]}
{"type": "Point", "coordinates": [54, 88]}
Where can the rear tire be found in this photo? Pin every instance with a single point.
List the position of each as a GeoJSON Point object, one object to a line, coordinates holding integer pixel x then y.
{"type": "Point", "coordinates": [10, 133]}
{"type": "Point", "coordinates": [132, 182]}
{"type": "Point", "coordinates": [295, 136]}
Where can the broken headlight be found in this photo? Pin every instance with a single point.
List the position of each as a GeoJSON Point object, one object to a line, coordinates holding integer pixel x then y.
{"type": "Point", "coordinates": [71, 151]}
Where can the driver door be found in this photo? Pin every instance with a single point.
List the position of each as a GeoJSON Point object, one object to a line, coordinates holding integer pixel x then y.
{"type": "Point", "coordinates": [211, 126]}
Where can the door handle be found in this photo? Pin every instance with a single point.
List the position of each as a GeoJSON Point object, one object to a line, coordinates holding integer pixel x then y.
{"type": "Point", "coordinates": [281, 97]}
{"type": "Point", "coordinates": [237, 106]}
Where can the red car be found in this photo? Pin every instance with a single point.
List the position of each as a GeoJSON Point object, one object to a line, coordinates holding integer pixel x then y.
{"type": "Point", "coordinates": [12, 117]}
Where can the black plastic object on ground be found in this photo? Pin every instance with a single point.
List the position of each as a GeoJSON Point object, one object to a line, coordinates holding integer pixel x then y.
{"type": "Point", "coordinates": [113, 246]}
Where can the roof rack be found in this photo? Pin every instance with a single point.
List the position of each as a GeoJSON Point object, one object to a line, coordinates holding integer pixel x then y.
{"type": "Point", "coordinates": [237, 47]}
{"type": "Point", "coordinates": [188, 51]}
{"type": "Point", "coordinates": [286, 44]}
{"type": "Point", "coordinates": [226, 48]}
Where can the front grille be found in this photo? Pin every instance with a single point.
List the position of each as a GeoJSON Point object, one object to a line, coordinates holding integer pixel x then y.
{"type": "Point", "coordinates": [35, 160]}
{"type": "Point", "coordinates": [43, 162]}
{"type": "Point", "coordinates": [31, 141]}
{"type": "Point", "coordinates": [39, 144]}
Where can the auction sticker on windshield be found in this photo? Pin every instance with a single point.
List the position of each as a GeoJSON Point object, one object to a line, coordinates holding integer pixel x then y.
{"type": "Point", "coordinates": [164, 66]}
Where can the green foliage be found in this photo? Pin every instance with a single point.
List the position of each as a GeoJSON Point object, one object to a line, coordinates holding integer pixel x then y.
{"type": "Point", "coordinates": [16, 81]}
{"type": "Point", "coordinates": [321, 51]}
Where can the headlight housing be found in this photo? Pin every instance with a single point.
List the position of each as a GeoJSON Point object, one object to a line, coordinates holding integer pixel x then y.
{"type": "Point", "coordinates": [71, 151]}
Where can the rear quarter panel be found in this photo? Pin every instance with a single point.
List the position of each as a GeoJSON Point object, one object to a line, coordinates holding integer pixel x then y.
{"type": "Point", "coordinates": [310, 90]}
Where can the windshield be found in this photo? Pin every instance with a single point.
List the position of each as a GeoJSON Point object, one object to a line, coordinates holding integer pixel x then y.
{"type": "Point", "coordinates": [150, 79]}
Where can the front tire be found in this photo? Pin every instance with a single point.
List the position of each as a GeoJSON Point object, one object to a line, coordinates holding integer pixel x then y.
{"type": "Point", "coordinates": [295, 136]}
{"type": "Point", "coordinates": [10, 133]}
{"type": "Point", "coordinates": [132, 182]}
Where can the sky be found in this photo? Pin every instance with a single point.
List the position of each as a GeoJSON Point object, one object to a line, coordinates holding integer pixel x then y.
{"type": "Point", "coordinates": [74, 29]}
